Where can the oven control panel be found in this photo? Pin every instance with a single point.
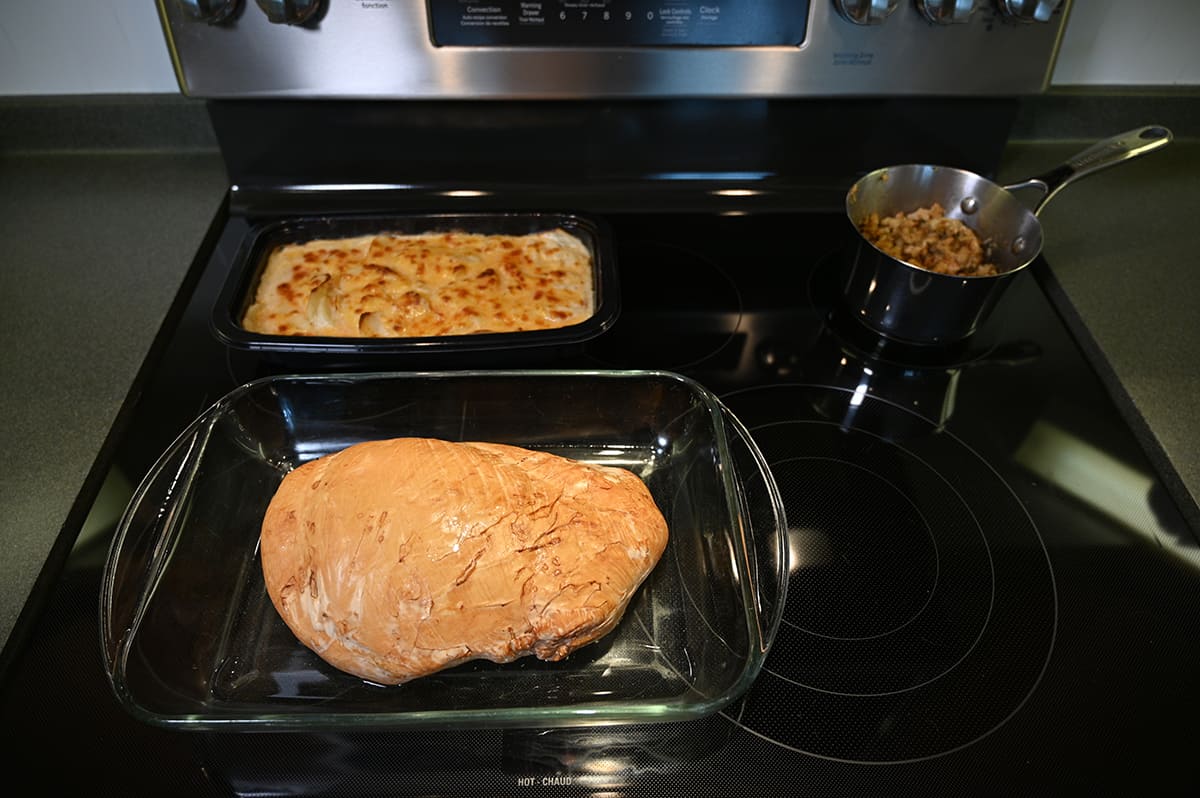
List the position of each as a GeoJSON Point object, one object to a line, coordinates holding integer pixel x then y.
{"type": "Point", "coordinates": [618, 23]}
{"type": "Point", "coordinates": [513, 49]}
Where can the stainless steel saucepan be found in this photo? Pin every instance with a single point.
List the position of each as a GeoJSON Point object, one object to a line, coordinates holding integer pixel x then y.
{"type": "Point", "coordinates": [904, 301]}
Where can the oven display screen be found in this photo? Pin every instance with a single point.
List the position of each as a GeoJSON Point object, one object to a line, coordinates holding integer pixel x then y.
{"type": "Point", "coordinates": [615, 23]}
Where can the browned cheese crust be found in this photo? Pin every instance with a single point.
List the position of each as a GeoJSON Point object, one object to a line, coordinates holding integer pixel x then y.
{"type": "Point", "coordinates": [429, 284]}
{"type": "Point", "coordinates": [397, 558]}
{"type": "Point", "coordinates": [931, 240]}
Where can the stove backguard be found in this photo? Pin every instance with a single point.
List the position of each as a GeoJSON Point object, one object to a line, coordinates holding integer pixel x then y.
{"type": "Point", "coordinates": [503, 49]}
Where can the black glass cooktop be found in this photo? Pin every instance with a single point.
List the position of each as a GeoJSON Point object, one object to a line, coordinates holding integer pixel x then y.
{"type": "Point", "coordinates": [991, 591]}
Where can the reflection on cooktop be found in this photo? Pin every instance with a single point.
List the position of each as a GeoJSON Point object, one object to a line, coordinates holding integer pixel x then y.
{"type": "Point", "coordinates": [684, 311]}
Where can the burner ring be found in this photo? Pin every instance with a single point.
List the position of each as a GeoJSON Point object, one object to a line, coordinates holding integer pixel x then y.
{"type": "Point", "coordinates": [686, 312]}
{"type": "Point", "coordinates": [969, 659]}
{"type": "Point", "coordinates": [892, 574]}
{"type": "Point", "coordinates": [802, 555]}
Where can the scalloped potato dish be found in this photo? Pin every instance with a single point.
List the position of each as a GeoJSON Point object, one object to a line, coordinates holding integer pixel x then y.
{"type": "Point", "coordinates": [427, 284]}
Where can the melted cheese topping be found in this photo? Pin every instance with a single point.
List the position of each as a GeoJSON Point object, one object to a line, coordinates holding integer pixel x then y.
{"type": "Point", "coordinates": [426, 284]}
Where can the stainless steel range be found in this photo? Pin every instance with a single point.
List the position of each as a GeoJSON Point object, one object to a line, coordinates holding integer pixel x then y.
{"type": "Point", "coordinates": [462, 49]}
{"type": "Point", "coordinates": [991, 589]}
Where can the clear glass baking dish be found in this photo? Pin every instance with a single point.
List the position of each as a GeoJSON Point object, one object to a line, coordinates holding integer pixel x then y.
{"type": "Point", "coordinates": [192, 641]}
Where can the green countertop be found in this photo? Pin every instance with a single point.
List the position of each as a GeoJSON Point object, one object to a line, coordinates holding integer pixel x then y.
{"type": "Point", "coordinates": [1119, 243]}
{"type": "Point", "coordinates": [96, 243]}
{"type": "Point", "coordinates": [98, 240]}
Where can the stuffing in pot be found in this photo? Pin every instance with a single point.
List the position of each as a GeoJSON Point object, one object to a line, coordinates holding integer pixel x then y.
{"type": "Point", "coordinates": [931, 240]}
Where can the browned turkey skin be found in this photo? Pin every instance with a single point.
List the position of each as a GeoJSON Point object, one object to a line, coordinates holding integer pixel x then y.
{"type": "Point", "coordinates": [398, 558]}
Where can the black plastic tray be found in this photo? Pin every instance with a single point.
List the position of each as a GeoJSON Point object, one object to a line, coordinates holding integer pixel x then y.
{"type": "Point", "coordinates": [238, 291]}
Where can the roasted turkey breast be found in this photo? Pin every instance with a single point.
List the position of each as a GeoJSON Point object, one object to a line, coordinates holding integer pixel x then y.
{"type": "Point", "coordinates": [394, 559]}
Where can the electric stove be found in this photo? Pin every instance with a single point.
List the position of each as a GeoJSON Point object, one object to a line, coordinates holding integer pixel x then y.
{"type": "Point", "coordinates": [991, 589]}
{"type": "Point", "coordinates": [994, 583]}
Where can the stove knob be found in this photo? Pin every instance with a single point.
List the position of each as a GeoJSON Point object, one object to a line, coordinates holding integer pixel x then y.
{"type": "Point", "coordinates": [1030, 10]}
{"type": "Point", "coordinates": [289, 12]}
{"type": "Point", "coordinates": [947, 12]}
{"type": "Point", "coordinates": [866, 12]}
{"type": "Point", "coordinates": [210, 11]}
